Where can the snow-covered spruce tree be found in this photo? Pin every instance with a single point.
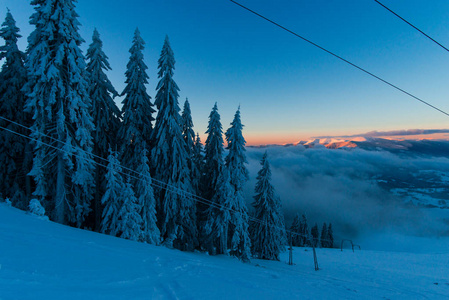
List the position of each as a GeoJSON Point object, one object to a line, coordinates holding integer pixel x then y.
{"type": "Point", "coordinates": [218, 216]}
{"type": "Point", "coordinates": [137, 108]}
{"type": "Point", "coordinates": [304, 231]}
{"type": "Point", "coordinates": [59, 104]}
{"type": "Point", "coordinates": [330, 236]}
{"type": "Point", "coordinates": [324, 237]}
{"type": "Point", "coordinates": [296, 231]}
{"type": "Point", "coordinates": [213, 164]}
{"type": "Point", "coordinates": [213, 155]}
{"type": "Point", "coordinates": [106, 115]}
{"type": "Point", "coordinates": [129, 216]}
{"type": "Point", "coordinates": [13, 170]}
{"type": "Point", "coordinates": [176, 209]}
{"type": "Point", "coordinates": [145, 198]}
{"type": "Point", "coordinates": [268, 234]}
{"type": "Point", "coordinates": [315, 232]}
{"type": "Point", "coordinates": [189, 138]}
{"type": "Point", "coordinates": [112, 199]}
{"type": "Point", "coordinates": [235, 163]}
{"type": "Point", "coordinates": [198, 161]}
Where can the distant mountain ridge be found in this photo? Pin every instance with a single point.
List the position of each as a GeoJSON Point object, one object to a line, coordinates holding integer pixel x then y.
{"type": "Point", "coordinates": [428, 147]}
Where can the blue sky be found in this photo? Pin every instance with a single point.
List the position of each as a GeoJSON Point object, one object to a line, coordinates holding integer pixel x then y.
{"type": "Point", "coordinates": [288, 90]}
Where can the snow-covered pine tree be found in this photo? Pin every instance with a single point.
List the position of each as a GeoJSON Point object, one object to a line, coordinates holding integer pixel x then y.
{"type": "Point", "coordinates": [330, 236]}
{"type": "Point", "coordinates": [296, 231]}
{"type": "Point", "coordinates": [213, 154]}
{"type": "Point", "coordinates": [213, 164]}
{"type": "Point", "coordinates": [218, 216]}
{"type": "Point", "coordinates": [198, 160]}
{"type": "Point", "coordinates": [145, 197]}
{"type": "Point", "coordinates": [268, 234]}
{"type": "Point", "coordinates": [324, 237]}
{"type": "Point", "coordinates": [13, 169]}
{"type": "Point", "coordinates": [304, 230]}
{"type": "Point", "coordinates": [189, 138]}
{"type": "Point", "coordinates": [106, 115]}
{"type": "Point", "coordinates": [112, 199]}
{"type": "Point", "coordinates": [59, 103]}
{"type": "Point", "coordinates": [137, 108]}
{"type": "Point", "coordinates": [235, 163]}
{"type": "Point", "coordinates": [176, 209]}
{"type": "Point", "coordinates": [129, 215]}
{"type": "Point", "coordinates": [315, 232]}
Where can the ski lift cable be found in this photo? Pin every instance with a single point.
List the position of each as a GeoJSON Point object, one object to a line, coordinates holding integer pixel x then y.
{"type": "Point", "coordinates": [154, 182]}
{"type": "Point", "coordinates": [416, 28]}
{"type": "Point", "coordinates": [341, 58]}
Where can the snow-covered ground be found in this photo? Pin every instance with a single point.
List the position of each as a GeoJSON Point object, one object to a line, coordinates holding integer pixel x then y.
{"type": "Point", "coordinates": [44, 260]}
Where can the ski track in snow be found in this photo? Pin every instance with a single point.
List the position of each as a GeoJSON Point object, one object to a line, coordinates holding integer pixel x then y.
{"type": "Point", "coordinates": [44, 260]}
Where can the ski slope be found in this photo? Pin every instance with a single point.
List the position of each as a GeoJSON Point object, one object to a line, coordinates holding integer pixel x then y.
{"type": "Point", "coordinates": [43, 260]}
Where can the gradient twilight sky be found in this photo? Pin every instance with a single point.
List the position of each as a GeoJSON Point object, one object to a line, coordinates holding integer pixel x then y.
{"type": "Point", "coordinates": [288, 90]}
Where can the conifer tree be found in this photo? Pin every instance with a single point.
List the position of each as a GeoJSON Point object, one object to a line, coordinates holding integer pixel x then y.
{"type": "Point", "coordinates": [106, 115]}
{"type": "Point", "coordinates": [296, 231]}
{"type": "Point", "coordinates": [213, 154]}
{"type": "Point", "coordinates": [198, 161]}
{"type": "Point", "coordinates": [189, 138]}
{"type": "Point", "coordinates": [176, 209]}
{"type": "Point", "coordinates": [59, 104]}
{"type": "Point", "coordinates": [145, 197]}
{"type": "Point", "coordinates": [129, 215]}
{"type": "Point", "coordinates": [213, 165]}
{"type": "Point", "coordinates": [330, 236]}
{"type": "Point", "coordinates": [218, 216]}
{"type": "Point", "coordinates": [268, 234]}
{"type": "Point", "coordinates": [235, 163]}
{"type": "Point", "coordinates": [315, 235]}
{"type": "Point", "coordinates": [324, 237]}
{"type": "Point", "coordinates": [304, 232]}
{"type": "Point", "coordinates": [137, 108]}
{"type": "Point", "coordinates": [112, 199]}
{"type": "Point", "coordinates": [12, 99]}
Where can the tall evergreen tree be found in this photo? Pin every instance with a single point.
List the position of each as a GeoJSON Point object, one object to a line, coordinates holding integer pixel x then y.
{"type": "Point", "coordinates": [215, 231]}
{"type": "Point", "coordinates": [236, 158]}
{"type": "Point", "coordinates": [213, 154]}
{"type": "Point", "coordinates": [212, 167]}
{"type": "Point", "coordinates": [198, 160]}
{"type": "Point", "coordinates": [59, 103]}
{"type": "Point", "coordinates": [324, 237]}
{"type": "Point", "coordinates": [12, 99]}
{"type": "Point", "coordinates": [106, 115]}
{"type": "Point", "coordinates": [145, 196]}
{"type": "Point", "coordinates": [129, 215]}
{"type": "Point", "coordinates": [235, 162]}
{"type": "Point", "coordinates": [330, 236]}
{"type": "Point", "coordinates": [177, 211]}
{"type": "Point", "coordinates": [189, 138]}
{"type": "Point", "coordinates": [268, 234]}
{"type": "Point", "coordinates": [296, 231]}
{"type": "Point", "coordinates": [304, 232]}
{"type": "Point", "coordinates": [137, 108]}
{"type": "Point", "coordinates": [112, 199]}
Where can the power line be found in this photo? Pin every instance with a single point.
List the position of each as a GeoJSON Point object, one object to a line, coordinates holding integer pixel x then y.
{"type": "Point", "coordinates": [426, 35]}
{"type": "Point", "coordinates": [340, 58]}
{"type": "Point", "coordinates": [154, 182]}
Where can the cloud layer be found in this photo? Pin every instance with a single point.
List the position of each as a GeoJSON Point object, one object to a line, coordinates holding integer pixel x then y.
{"type": "Point", "coordinates": [339, 186]}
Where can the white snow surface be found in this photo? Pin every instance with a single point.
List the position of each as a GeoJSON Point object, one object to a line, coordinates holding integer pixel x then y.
{"type": "Point", "coordinates": [43, 260]}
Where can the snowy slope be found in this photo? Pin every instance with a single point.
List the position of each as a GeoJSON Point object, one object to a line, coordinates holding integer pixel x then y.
{"type": "Point", "coordinates": [43, 260]}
